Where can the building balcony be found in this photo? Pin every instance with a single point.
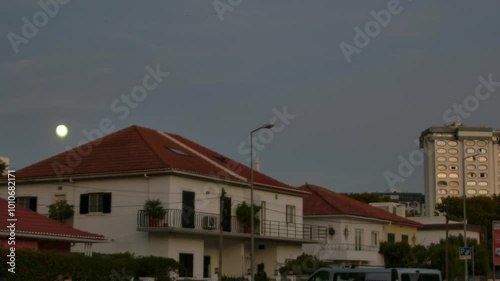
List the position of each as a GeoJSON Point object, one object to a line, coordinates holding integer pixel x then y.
{"type": "Point", "coordinates": [199, 223]}
{"type": "Point", "coordinates": [346, 252]}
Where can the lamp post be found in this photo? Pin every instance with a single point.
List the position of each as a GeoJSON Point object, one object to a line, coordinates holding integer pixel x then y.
{"type": "Point", "coordinates": [252, 224]}
{"type": "Point", "coordinates": [466, 272]}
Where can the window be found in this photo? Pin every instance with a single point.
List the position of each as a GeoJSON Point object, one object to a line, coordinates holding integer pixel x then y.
{"type": "Point", "coordinates": [441, 175]}
{"type": "Point", "coordinates": [441, 167]}
{"type": "Point", "coordinates": [471, 175]}
{"type": "Point", "coordinates": [177, 151]}
{"type": "Point", "coordinates": [320, 276]}
{"type": "Point", "coordinates": [290, 214]}
{"type": "Point", "coordinates": [442, 183]}
{"type": "Point", "coordinates": [358, 239]}
{"type": "Point", "coordinates": [28, 202]}
{"type": "Point", "coordinates": [471, 167]}
{"type": "Point", "coordinates": [441, 159]}
{"type": "Point", "coordinates": [453, 176]}
{"type": "Point", "coordinates": [482, 167]}
{"type": "Point", "coordinates": [95, 203]}
{"type": "Point", "coordinates": [453, 151]}
{"type": "Point", "coordinates": [469, 142]}
{"type": "Point", "coordinates": [453, 183]}
{"type": "Point", "coordinates": [471, 191]}
{"type": "Point", "coordinates": [454, 192]}
{"type": "Point", "coordinates": [374, 238]}
{"type": "Point", "coordinates": [453, 159]}
{"type": "Point", "coordinates": [481, 143]}
{"type": "Point", "coordinates": [186, 265]}
{"type": "Point", "coordinates": [482, 150]}
{"type": "Point", "coordinates": [452, 143]}
{"type": "Point", "coordinates": [350, 276]}
{"type": "Point", "coordinates": [483, 191]}
{"type": "Point", "coordinates": [441, 191]}
{"type": "Point", "coordinates": [482, 159]}
{"type": "Point", "coordinates": [483, 183]}
{"type": "Point", "coordinates": [483, 175]}
{"type": "Point", "coordinates": [391, 237]}
{"type": "Point", "coordinates": [404, 238]}
{"type": "Point", "coordinates": [471, 183]}
{"type": "Point", "coordinates": [441, 151]}
{"type": "Point", "coordinates": [440, 143]}
{"type": "Point", "coordinates": [453, 167]}
{"type": "Point", "coordinates": [470, 150]}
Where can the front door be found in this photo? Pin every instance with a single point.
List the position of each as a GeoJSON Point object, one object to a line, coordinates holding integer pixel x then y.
{"type": "Point", "coordinates": [187, 209]}
{"type": "Point", "coordinates": [226, 215]}
{"type": "Point", "coordinates": [206, 266]}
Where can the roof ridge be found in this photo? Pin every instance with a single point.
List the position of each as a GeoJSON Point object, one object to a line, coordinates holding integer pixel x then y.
{"type": "Point", "coordinates": [323, 197]}
{"type": "Point", "coordinates": [148, 143]}
{"type": "Point", "coordinates": [202, 156]}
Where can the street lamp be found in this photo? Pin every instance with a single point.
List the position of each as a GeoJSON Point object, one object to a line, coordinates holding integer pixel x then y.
{"type": "Point", "coordinates": [266, 126]}
{"type": "Point", "coordinates": [466, 274]}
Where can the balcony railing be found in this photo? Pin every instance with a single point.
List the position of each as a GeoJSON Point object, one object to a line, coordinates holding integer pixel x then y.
{"type": "Point", "coordinates": [171, 218]}
{"type": "Point", "coordinates": [351, 247]}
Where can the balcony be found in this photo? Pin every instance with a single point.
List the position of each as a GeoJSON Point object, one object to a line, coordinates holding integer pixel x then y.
{"type": "Point", "coordinates": [208, 223]}
{"type": "Point", "coordinates": [344, 251]}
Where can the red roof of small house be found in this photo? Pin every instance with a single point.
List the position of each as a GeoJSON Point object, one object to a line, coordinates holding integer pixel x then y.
{"type": "Point", "coordinates": [136, 150]}
{"type": "Point", "coordinates": [33, 224]}
{"type": "Point", "coordinates": [323, 201]}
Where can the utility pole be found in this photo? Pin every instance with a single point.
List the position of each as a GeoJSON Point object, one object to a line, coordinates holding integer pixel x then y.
{"type": "Point", "coordinates": [221, 226]}
{"type": "Point", "coordinates": [446, 250]}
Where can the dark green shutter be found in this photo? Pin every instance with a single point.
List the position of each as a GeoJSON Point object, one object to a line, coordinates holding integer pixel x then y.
{"type": "Point", "coordinates": [106, 203]}
{"type": "Point", "coordinates": [84, 203]}
{"type": "Point", "coordinates": [33, 204]}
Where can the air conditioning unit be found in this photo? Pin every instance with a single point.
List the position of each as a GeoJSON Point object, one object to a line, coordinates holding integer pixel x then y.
{"type": "Point", "coordinates": [209, 222]}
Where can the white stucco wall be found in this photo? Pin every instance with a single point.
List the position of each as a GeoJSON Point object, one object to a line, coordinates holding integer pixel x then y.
{"type": "Point", "coordinates": [128, 197]}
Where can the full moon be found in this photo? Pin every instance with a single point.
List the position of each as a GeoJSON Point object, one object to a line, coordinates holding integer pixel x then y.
{"type": "Point", "coordinates": [61, 131]}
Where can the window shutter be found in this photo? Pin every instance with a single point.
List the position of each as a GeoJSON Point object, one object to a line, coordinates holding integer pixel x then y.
{"type": "Point", "coordinates": [33, 203]}
{"type": "Point", "coordinates": [106, 202]}
{"type": "Point", "coordinates": [84, 203]}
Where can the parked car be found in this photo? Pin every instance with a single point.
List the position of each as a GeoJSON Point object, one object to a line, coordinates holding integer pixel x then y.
{"type": "Point", "coordinates": [376, 274]}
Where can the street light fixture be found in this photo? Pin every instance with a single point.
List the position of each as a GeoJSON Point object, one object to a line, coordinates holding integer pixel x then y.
{"type": "Point", "coordinates": [466, 273]}
{"type": "Point", "coordinates": [252, 226]}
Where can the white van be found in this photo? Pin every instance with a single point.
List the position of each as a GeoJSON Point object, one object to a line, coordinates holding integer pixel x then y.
{"type": "Point", "coordinates": [376, 274]}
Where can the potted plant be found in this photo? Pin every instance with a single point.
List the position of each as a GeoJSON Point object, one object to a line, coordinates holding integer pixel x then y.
{"type": "Point", "coordinates": [154, 211]}
{"type": "Point", "coordinates": [61, 211]}
{"type": "Point", "coordinates": [243, 214]}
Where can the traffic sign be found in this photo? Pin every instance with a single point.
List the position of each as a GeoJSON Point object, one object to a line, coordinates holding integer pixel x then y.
{"type": "Point", "coordinates": [465, 253]}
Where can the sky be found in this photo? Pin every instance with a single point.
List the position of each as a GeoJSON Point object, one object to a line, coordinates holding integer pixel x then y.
{"type": "Point", "coordinates": [350, 85]}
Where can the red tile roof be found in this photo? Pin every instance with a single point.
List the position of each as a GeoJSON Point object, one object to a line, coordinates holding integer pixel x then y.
{"type": "Point", "coordinates": [141, 150]}
{"type": "Point", "coordinates": [322, 201]}
{"type": "Point", "coordinates": [32, 223]}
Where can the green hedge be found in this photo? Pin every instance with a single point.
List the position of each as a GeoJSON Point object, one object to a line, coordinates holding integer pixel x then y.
{"type": "Point", "coordinates": [45, 266]}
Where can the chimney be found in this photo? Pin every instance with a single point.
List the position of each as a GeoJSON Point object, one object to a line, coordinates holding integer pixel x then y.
{"type": "Point", "coordinates": [256, 165]}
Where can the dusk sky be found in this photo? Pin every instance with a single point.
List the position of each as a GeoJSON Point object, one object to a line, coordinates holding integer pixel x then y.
{"type": "Point", "coordinates": [232, 69]}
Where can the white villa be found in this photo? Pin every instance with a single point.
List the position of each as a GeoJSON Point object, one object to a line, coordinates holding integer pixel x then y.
{"type": "Point", "coordinates": [108, 181]}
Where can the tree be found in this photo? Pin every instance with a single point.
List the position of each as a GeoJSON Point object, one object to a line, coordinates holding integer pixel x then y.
{"type": "Point", "coordinates": [368, 197]}
{"type": "Point", "coordinates": [61, 211]}
{"type": "Point", "coordinates": [302, 265]}
{"type": "Point", "coordinates": [398, 254]}
{"type": "Point", "coordinates": [437, 256]}
{"type": "Point", "coordinates": [481, 210]}
{"type": "Point", "coordinates": [3, 167]}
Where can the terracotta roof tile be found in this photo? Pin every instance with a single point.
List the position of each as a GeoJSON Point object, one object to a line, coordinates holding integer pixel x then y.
{"type": "Point", "coordinates": [29, 222]}
{"type": "Point", "coordinates": [322, 201]}
{"type": "Point", "coordinates": [137, 149]}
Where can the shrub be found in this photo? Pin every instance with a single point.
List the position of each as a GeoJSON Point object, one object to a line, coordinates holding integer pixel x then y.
{"type": "Point", "coordinates": [45, 266]}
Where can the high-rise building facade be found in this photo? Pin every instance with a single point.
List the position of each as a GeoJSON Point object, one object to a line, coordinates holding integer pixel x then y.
{"type": "Point", "coordinates": [460, 159]}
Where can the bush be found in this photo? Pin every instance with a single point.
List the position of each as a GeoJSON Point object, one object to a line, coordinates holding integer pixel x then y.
{"type": "Point", "coordinates": [45, 266]}
{"type": "Point", "coordinates": [302, 265]}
